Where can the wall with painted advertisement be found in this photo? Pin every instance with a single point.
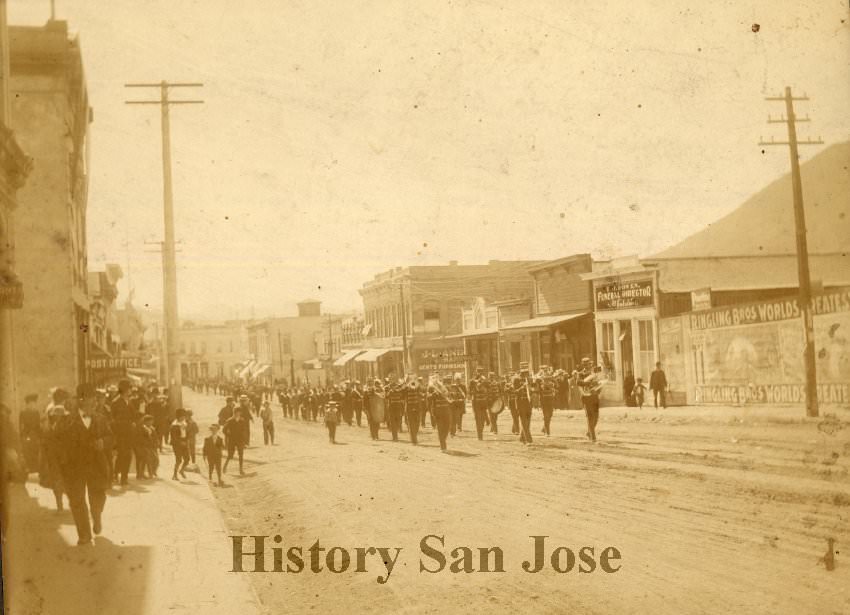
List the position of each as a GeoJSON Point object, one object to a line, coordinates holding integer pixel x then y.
{"type": "Point", "coordinates": [753, 353]}
{"type": "Point", "coordinates": [446, 359]}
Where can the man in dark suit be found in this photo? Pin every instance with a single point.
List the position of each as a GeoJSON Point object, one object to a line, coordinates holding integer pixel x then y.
{"type": "Point", "coordinates": [85, 440]}
{"type": "Point", "coordinates": [658, 385]}
{"type": "Point", "coordinates": [123, 425]}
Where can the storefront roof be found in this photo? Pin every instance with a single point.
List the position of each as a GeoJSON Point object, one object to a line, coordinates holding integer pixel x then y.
{"type": "Point", "coordinates": [543, 322]}
{"type": "Point", "coordinates": [373, 354]}
{"type": "Point", "coordinates": [474, 333]}
{"type": "Point", "coordinates": [347, 357]}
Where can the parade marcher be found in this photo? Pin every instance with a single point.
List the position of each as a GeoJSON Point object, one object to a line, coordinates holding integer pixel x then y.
{"type": "Point", "coordinates": [29, 423]}
{"type": "Point", "coordinates": [547, 402]}
{"type": "Point", "coordinates": [522, 391]}
{"type": "Point", "coordinates": [414, 407]}
{"type": "Point", "coordinates": [457, 391]}
{"type": "Point", "coordinates": [236, 431]}
{"type": "Point", "coordinates": [123, 415]}
{"type": "Point", "coordinates": [347, 399]}
{"type": "Point", "coordinates": [332, 420]}
{"type": "Point", "coordinates": [494, 393]}
{"type": "Point", "coordinates": [658, 385]}
{"type": "Point", "coordinates": [591, 386]}
{"type": "Point", "coordinates": [512, 403]}
{"type": "Point", "coordinates": [479, 390]}
{"type": "Point", "coordinates": [213, 452]}
{"type": "Point", "coordinates": [375, 391]}
{"type": "Point", "coordinates": [178, 434]}
{"type": "Point", "coordinates": [395, 408]}
{"type": "Point", "coordinates": [357, 402]}
{"type": "Point", "coordinates": [439, 400]}
{"type": "Point", "coordinates": [268, 423]}
{"type": "Point", "coordinates": [85, 441]}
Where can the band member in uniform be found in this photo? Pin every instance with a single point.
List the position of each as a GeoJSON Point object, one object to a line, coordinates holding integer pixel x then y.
{"type": "Point", "coordinates": [512, 395]}
{"type": "Point", "coordinates": [494, 392]}
{"type": "Point", "coordinates": [439, 402]}
{"type": "Point", "coordinates": [479, 389]}
{"type": "Point", "coordinates": [457, 394]}
{"type": "Point", "coordinates": [376, 390]}
{"type": "Point", "coordinates": [547, 401]}
{"type": "Point", "coordinates": [395, 408]}
{"type": "Point", "coordinates": [522, 393]}
{"type": "Point", "coordinates": [591, 386]}
{"type": "Point", "coordinates": [415, 407]}
{"type": "Point", "coordinates": [357, 401]}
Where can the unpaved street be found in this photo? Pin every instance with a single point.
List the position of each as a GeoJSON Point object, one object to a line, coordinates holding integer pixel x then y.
{"type": "Point", "coordinates": [712, 512]}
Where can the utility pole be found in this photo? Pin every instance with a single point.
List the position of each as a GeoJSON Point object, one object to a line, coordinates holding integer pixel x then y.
{"type": "Point", "coordinates": [805, 300]}
{"type": "Point", "coordinates": [404, 361]}
{"type": "Point", "coordinates": [172, 322]}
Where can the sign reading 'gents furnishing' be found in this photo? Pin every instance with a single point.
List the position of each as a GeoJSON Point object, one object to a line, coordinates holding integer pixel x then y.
{"type": "Point", "coordinates": [619, 295]}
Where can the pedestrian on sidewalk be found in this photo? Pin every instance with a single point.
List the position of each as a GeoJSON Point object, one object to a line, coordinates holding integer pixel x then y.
{"type": "Point", "coordinates": [178, 434]}
{"type": "Point", "coordinates": [236, 431]}
{"type": "Point", "coordinates": [213, 452]}
{"type": "Point", "coordinates": [145, 447]}
{"type": "Point", "coordinates": [332, 420]}
{"type": "Point", "coordinates": [658, 385]}
{"type": "Point", "coordinates": [123, 414]}
{"type": "Point", "coordinates": [50, 474]}
{"type": "Point", "coordinates": [86, 440]}
{"type": "Point", "coordinates": [268, 423]}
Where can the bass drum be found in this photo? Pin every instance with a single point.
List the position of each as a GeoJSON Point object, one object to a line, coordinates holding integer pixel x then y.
{"type": "Point", "coordinates": [497, 406]}
{"type": "Point", "coordinates": [376, 408]}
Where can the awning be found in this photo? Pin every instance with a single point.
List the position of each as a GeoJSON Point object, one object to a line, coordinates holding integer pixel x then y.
{"type": "Point", "coordinates": [346, 358]}
{"type": "Point", "coordinates": [373, 354]}
{"type": "Point", "coordinates": [247, 369]}
{"type": "Point", "coordinates": [541, 323]}
{"type": "Point", "coordinates": [473, 333]}
{"type": "Point", "coordinates": [312, 364]}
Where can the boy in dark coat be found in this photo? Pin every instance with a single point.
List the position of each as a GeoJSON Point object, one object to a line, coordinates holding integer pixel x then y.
{"type": "Point", "coordinates": [213, 452]}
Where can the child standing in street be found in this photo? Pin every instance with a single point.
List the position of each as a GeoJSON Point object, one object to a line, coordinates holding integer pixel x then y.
{"type": "Point", "coordinates": [332, 420]}
{"type": "Point", "coordinates": [638, 392]}
{"type": "Point", "coordinates": [213, 452]}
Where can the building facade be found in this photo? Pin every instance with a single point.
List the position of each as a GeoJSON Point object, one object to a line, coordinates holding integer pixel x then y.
{"type": "Point", "coordinates": [414, 315]}
{"type": "Point", "coordinates": [51, 116]}
{"type": "Point", "coordinates": [211, 351]}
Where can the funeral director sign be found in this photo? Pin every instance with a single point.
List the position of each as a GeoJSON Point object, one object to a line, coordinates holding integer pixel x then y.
{"type": "Point", "coordinates": [621, 295]}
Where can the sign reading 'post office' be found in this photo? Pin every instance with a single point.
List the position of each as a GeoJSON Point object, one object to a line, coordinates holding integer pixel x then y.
{"type": "Point", "coordinates": [619, 295]}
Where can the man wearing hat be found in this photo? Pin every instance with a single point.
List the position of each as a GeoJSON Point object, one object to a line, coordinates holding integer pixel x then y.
{"type": "Point", "coordinates": [395, 408]}
{"type": "Point", "coordinates": [415, 395]}
{"type": "Point", "coordinates": [590, 386]}
{"type": "Point", "coordinates": [86, 439]}
{"type": "Point", "coordinates": [123, 415]}
{"type": "Point", "coordinates": [440, 399]}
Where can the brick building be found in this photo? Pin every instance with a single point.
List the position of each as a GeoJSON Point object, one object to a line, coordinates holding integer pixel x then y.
{"type": "Point", "coordinates": [424, 304]}
{"type": "Point", "coordinates": [51, 116]}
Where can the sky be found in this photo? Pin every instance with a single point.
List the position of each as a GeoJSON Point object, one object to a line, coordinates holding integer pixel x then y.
{"type": "Point", "coordinates": [340, 139]}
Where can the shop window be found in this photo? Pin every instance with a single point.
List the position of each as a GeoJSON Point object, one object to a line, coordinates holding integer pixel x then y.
{"type": "Point", "coordinates": [606, 352]}
{"type": "Point", "coordinates": [432, 320]}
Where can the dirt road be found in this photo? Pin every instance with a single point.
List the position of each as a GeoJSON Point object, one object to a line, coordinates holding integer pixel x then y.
{"type": "Point", "coordinates": [711, 513]}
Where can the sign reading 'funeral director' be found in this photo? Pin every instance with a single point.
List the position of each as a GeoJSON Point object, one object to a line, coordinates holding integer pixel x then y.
{"type": "Point", "coordinates": [619, 295]}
